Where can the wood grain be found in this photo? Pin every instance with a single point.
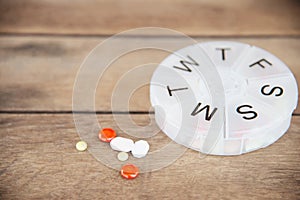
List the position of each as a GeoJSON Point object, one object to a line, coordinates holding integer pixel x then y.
{"type": "Point", "coordinates": [197, 18]}
{"type": "Point", "coordinates": [38, 73]}
{"type": "Point", "coordinates": [39, 161]}
{"type": "Point", "coordinates": [43, 43]}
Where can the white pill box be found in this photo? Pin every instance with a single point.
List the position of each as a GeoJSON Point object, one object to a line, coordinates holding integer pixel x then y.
{"type": "Point", "coordinates": [223, 98]}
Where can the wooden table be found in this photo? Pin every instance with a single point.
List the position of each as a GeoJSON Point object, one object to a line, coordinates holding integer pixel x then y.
{"type": "Point", "coordinates": [43, 43]}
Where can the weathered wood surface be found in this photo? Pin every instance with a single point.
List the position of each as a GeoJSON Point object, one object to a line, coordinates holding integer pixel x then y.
{"type": "Point", "coordinates": [43, 43]}
{"type": "Point", "coordinates": [39, 161]}
{"type": "Point", "coordinates": [223, 17]}
{"type": "Point", "coordinates": [38, 73]}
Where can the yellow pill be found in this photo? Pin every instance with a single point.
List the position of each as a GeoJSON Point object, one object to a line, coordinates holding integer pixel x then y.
{"type": "Point", "coordinates": [81, 146]}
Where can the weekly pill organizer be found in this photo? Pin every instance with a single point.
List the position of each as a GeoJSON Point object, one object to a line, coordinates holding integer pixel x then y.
{"type": "Point", "coordinates": [223, 98]}
{"type": "Point", "coordinates": [218, 98]}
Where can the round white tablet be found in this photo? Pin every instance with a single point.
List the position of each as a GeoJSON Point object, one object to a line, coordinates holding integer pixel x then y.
{"type": "Point", "coordinates": [121, 144]}
{"type": "Point", "coordinates": [140, 149]}
{"type": "Point", "coordinates": [235, 97]}
{"type": "Point", "coordinates": [122, 156]}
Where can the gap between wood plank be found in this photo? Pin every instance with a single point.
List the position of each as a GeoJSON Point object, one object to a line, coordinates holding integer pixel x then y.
{"type": "Point", "coordinates": [85, 112]}
{"type": "Point", "coordinates": [75, 112]}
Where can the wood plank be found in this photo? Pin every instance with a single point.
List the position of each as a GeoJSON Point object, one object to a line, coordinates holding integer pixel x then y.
{"type": "Point", "coordinates": [38, 73]}
{"type": "Point", "coordinates": [39, 161]}
{"type": "Point", "coordinates": [106, 17]}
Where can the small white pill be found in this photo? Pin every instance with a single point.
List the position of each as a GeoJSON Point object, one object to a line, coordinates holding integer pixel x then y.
{"type": "Point", "coordinates": [123, 156]}
{"type": "Point", "coordinates": [140, 149]}
{"type": "Point", "coordinates": [121, 144]}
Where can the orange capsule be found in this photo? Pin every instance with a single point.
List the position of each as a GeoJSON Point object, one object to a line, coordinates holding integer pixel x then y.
{"type": "Point", "coordinates": [107, 134]}
{"type": "Point", "coordinates": [129, 171]}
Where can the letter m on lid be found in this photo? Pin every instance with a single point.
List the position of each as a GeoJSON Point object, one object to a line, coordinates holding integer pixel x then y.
{"type": "Point", "coordinates": [208, 115]}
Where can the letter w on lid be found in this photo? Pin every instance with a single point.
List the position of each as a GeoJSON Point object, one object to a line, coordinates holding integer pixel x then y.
{"type": "Point", "coordinates": [184, 64]}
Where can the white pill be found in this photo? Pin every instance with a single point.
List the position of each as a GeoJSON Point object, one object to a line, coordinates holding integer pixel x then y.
{"type": "Point", "coordinates": [121, 144]}
{"type": "Point", "coordinates": [140, 149]}
{"type": "Point", "coordinates": [123, 156]}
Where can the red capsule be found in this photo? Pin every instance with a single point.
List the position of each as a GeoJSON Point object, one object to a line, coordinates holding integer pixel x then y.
{"type": "Point", "coordinates": [129, 171]}
{"type": "Point", "coordinates": [107, 134]}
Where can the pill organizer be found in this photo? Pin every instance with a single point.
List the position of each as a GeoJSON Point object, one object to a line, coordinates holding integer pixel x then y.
{"type": "Point", "coordinates": [223, 98]}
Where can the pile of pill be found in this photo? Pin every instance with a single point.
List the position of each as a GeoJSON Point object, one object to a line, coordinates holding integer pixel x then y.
{"type": "Point", "coordinates": [138, 149]}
